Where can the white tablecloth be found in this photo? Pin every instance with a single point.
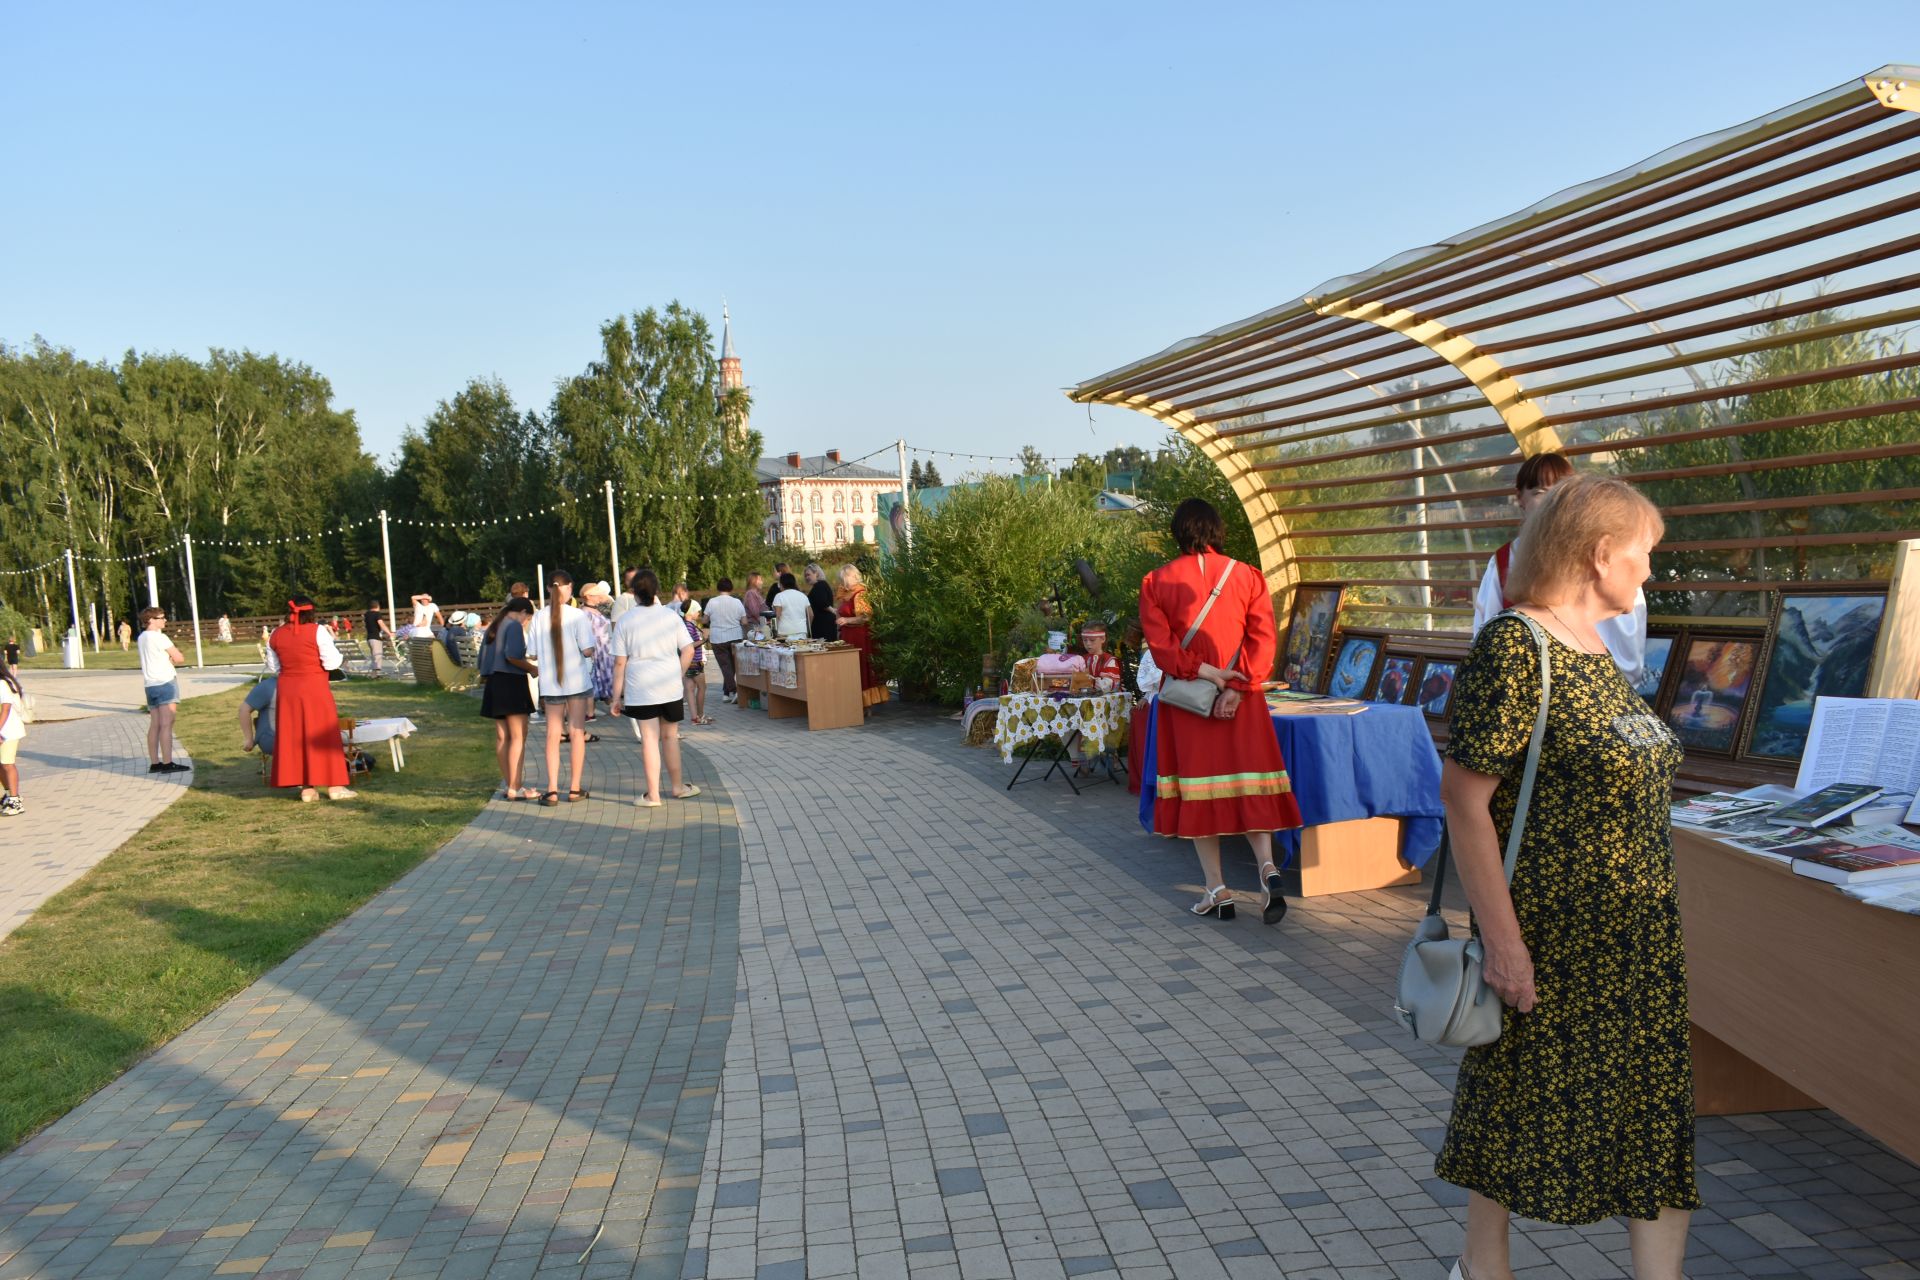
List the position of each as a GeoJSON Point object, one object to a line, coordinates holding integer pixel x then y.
{"type": "Point", "coordinates": [369, 731]}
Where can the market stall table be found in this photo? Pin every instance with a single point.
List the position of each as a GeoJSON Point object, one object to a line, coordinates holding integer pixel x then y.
{"type": "Point", "coordinates": [1098, 720]}
{"type": "Point", "coordinates": [1800, 996]}
{"type": "Point", "coordinates": [821, 684]}
{"type": "Point", "coordinates": [1368, 787]}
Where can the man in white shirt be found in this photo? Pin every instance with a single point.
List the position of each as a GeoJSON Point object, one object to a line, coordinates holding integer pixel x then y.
{"type": "Point", "coordinates": [726, 627]}
{"type": "Point", "coordinates": [790, 609]}
{"type": "Point", "coordinates": [158, 660]}
{"type": "Point", "coordinates": [425, 613]}
{"type": "Point", "coordinates": [1625, 635]}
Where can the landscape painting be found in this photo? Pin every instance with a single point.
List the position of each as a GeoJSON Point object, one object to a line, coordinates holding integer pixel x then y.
{"type": "Point", "coordinates": [1822, 646]}
{"type": "Point", "coordinates": [1654, 673]}
{"type": "Point", "coordinates": [1715, 677]}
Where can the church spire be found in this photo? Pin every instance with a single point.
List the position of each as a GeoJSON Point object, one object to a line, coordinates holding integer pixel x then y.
{"type": "Point", "coordinates": [732, 377]}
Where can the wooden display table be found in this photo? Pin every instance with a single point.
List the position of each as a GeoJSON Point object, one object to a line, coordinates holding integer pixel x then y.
{"type": "Point", "coordinates": [1800, 996]}
{"type": "Point", "coordinates": [826, 692]}
{"type": "Point", "coordinates": [1345, 857]}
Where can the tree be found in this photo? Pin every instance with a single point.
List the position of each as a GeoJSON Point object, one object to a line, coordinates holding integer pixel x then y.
{"type": "Point", "coordinates": [930, 475]}
{"type": "Point", "coordinates": [650, 414]}
{"type": "Point", "coordinates": [915, 479]}
{"type": "Point", "coordinates": [1032, 462]}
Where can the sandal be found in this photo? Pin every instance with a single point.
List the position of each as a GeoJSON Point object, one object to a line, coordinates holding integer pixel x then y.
{"type": "Point", "coordinates": [689, 793]}
{"type": "Point", "coordinates": [644, 803]}
{"type": "Point", "coordinates": [550, 798]}
{"type": "Point", "coordinates": [1274, 910]}
{"type": "Point", "coordinates": [1217, 902]}
{"type": "Point", "coordinates": [578, 795]}
{"type": "Point", "coordinates": [593, 737]}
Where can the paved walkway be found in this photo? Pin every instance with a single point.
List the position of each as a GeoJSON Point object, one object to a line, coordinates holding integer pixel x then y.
{"type": "Point", "coordinates": [74, 695]}
{"type": "Point", "coordinates": [855, 1011]}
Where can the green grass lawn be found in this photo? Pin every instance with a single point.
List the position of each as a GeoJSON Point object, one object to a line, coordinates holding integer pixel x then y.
{"type": "Point", "coordinates": [111, 659]}
{"type": "Point", "coordinates": [229, 881]}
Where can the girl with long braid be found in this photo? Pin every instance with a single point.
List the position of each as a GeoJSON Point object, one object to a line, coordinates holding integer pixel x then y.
{"type": "Point", "coordinates": [307, 751]}
{"type": "Point", "coordinates": [560, 643]}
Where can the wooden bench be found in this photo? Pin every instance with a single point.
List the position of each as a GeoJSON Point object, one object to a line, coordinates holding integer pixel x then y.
{"type": "Point", "coordinates": [435, 668]}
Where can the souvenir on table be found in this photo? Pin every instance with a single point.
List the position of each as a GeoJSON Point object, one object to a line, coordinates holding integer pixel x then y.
{"type": "Point", "coordinates": [1354, 662]}
{"type": "Point", "coordinates": [1396, 678]}
{"type": "Point", "coordinates": [1710, 699]}
{"type": "Point", "coordinates": [1821, 645]}
{"type": "Point", "coordinates": [1310, 634]}
{"type": "Point", "coordinates": [1659, 661]}
{"type": "Point", "coordinates": [1435, 690]}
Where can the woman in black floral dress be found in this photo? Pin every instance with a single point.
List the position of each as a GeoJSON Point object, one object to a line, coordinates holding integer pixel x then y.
{"type": "Point", "coordinates": [1583, 1108]}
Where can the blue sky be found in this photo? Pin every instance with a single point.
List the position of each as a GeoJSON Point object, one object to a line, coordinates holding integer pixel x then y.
{"type": "Point", "coordinates": [927, 219]}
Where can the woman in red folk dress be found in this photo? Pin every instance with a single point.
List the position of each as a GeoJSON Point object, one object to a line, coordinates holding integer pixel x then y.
{"type": "Point", "coordinates": [308, 754]}
{"type": "Point", "coordinates": [1221, 774]}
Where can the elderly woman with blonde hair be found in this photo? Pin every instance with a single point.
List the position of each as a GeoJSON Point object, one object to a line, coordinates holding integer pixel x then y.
{"type": "Point", "coordinates": [1582, 1110]}
{"type": "Point", "coordinates": [855, 613]}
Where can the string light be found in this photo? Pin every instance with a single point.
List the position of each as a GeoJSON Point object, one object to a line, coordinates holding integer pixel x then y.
{"type": "Point", "coordinates": [39, 568]}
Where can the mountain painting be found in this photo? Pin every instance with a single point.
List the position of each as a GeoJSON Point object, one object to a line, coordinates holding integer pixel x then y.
{"type": "Point", "coordinates": [1822, 646]}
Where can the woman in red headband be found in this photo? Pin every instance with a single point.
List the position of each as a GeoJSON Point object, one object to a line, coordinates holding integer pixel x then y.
{"type": "Point", "coordinates": [308, 754]}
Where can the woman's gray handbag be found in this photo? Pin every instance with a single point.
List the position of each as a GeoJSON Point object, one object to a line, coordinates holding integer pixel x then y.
{"type": "Point", "coordinates": [1443, 998]}
{"type": "Point", "coordinates": [1196, 696]}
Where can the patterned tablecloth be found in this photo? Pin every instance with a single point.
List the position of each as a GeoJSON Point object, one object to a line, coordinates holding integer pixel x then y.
{"type": "Point", "coordinates": [1100, 717]}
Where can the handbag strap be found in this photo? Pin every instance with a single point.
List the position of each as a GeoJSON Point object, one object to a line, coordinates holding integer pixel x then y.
{"type": "Point", "coordinates": [1206, 608]}
{"type": "Point", "coordinates": [1527, 776]}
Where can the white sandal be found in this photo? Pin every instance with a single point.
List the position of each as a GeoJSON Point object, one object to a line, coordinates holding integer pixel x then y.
{"type": "Point", "coordinates": [1218, 903]}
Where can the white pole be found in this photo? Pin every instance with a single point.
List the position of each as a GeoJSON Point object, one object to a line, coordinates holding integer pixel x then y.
{"type": "Point", "coordinates": [906, 500]}
{"type": "Point", "coordinates": [71, 653]}
{"type": "Point", "coordinates": [540, 574]}
{"type": "Point", "coordinates": [193, 603]}
{"type": "Point", "coordinates": [613, 539]}
{"type": "Point", "coordinates": [386, 558]}
{"type": "Point", "coordinates": [153, 587]}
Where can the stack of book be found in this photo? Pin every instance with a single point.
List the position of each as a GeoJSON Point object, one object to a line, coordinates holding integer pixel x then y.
{"type": "Point", "coordinates": [1846, 834]}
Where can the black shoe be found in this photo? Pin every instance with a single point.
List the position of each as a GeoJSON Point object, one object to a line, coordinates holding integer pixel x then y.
{"type": "Point", "coordinates": [1276, 907]}
{"type": "Point", "coordinates": [171, 767]}
{"type": "Point", "coordinates": [156, 768]}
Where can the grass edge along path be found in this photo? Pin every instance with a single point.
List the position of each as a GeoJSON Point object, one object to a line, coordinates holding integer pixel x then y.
{"type": "Point", "coordinates": [231, 880]}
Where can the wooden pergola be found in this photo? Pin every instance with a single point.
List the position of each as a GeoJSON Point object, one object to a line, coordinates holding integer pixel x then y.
{"type": "Point", "coordinates": [1725, 324]}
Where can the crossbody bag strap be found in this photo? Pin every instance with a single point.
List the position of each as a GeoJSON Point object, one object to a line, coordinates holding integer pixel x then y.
{"type": "Point", "coordinates": [1527, 776]}
{"type": "Point", "coordinates": [1207, 608]}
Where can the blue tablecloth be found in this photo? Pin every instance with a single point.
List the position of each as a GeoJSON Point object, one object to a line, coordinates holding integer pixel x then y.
{"type": "Point", "coordinates": [1380, 763]}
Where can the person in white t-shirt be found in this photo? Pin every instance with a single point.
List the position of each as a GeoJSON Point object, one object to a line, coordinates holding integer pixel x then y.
{"type": "Point", "coordinates": [726, 627]}
{"type": "Point", "coordinates": [652, 650]}
{"type": "Point", "coordinates": [426, 614]}
{"type": "Point", "coordinates": [1625, 634]}
{"type": "Point", "coordinates": [158, 659]}
{"type": "Point", "coordinates": [13, 727]}
{"type": "Point", "coordinates": [560, 643]}
{"type": "Point", "coordinates": [790, 609]}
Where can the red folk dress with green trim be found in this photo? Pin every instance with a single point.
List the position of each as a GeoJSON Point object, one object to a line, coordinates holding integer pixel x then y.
{"type": "Point", "coordinates": [1217, 777]}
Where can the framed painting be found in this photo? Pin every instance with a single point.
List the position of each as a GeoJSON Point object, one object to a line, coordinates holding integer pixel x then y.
{"type": "Point", "coordinates": [1712, 689]}
{"type": "Point", "coordinates": [1434, 693]}
{"type": "Point", "coordinates": [1661, 644]}
{"type": "Point", "coordinates": [1395, 681]}
{"type": "Point", "coordinates": [1355, 661]}
{"type": "Point", "coordinates": [1819, 644]}
{"type": "Point", "coordinates": [1316, 606]}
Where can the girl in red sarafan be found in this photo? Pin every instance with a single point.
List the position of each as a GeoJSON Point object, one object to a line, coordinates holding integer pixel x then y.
{"type": "Point", "coordinates": [1220, 774]}
{"type": "Point", "coordinates": [307, 751]}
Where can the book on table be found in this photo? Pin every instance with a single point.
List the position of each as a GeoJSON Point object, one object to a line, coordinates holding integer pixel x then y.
{"type": "Point", "coordinates": [1718, 810]}
{"type": "Point", "coordinates": [1855, 864]}
{"type": "Point", "coordinates": [1828, 804]}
